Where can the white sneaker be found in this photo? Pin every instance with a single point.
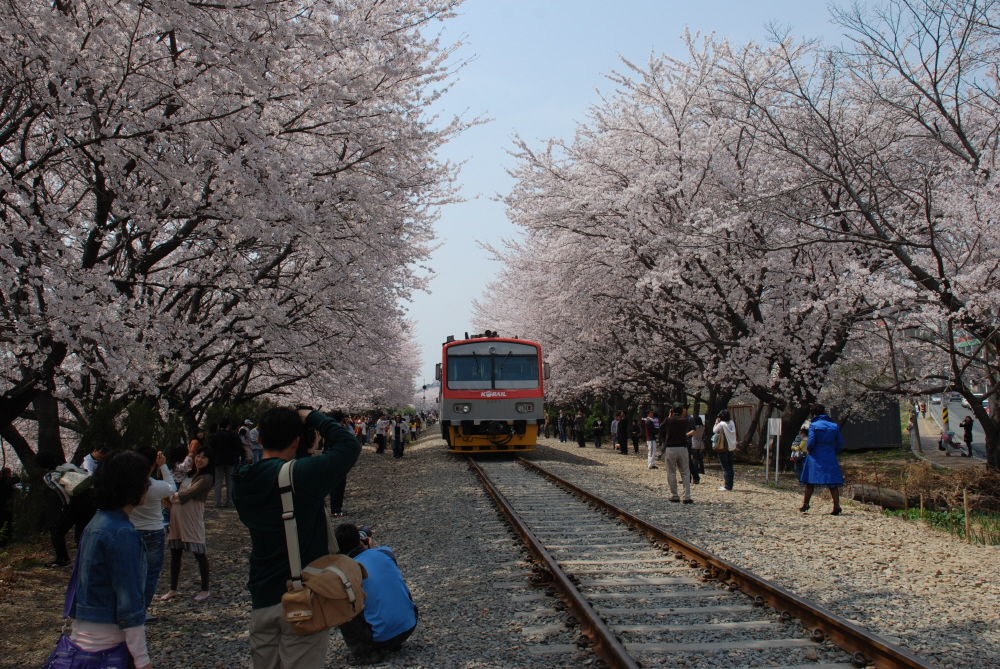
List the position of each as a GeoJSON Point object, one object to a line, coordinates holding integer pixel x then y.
{"type": "Point", "coordinates": [723, 488]}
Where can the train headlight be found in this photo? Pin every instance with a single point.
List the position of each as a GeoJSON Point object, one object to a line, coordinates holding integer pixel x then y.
{"type": "Point", "coordinates": [524, 407]}
{"type": "Point", "coordinates": [461, 408]}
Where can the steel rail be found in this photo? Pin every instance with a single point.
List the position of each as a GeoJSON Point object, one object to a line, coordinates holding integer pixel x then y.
{"type": "Point", "coordinates": [865, 648]}
{"type": "Point", "coordinates": [605, 645]}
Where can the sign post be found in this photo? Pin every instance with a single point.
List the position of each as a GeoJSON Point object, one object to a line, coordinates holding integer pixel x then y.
{"type": "Point", "coordinates": [773, 432]}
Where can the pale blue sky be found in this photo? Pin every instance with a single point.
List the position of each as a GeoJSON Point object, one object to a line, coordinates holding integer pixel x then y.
{"type": "Point", "coordinates": [537, 65]}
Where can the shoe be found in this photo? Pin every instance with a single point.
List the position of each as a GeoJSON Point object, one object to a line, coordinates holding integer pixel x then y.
{"type": "Point", "coordinates": [58, 565]}
{"type": "Point", "coordinates": [365, 657]}
{"type": "Point", "coordinates": [150, 620]}
{"type": "Point", "coordinates": [689, 501]}
{"type": "Point", "coordinates": [201, 598]}
{"type": "Point", "coordinates": [168, 596]}
{"type": "Point", "coordinates": [654, 467]}
{"type": "Point", "coordinates": [723, 489]}
{"type": "Point", "coordinates": [337, 514]}
{"type": "Point", "coordinates": [836, 512]}
{"type": "Point", "coordinates": [803, 509]}
{"type": "Point", "coordinates": [675, 500]}
{"type": "Point", "coordinates": [696, 482]}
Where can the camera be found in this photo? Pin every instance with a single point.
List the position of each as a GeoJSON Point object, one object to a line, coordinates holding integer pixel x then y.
{"type": "Point", "coordinates": [365, 532]}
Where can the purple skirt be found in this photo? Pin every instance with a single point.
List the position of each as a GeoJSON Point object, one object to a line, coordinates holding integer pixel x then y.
{"type": "Point", "coordinates": [68, 655]}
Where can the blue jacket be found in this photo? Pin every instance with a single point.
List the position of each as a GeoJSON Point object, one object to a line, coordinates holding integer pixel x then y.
{"type": "Point", "coordinates": [111, 572]}
{"type": "Point", "coordinates": [388, 605]}
{"type": "Point", "coordinates": [821, 466]}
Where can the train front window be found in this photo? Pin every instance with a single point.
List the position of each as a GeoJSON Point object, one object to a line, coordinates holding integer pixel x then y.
{"type": "Point", "coordinates": [492, 366]}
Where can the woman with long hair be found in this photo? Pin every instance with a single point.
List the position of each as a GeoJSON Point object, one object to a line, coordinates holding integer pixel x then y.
{"type": "Point", "coordinates": [187, 523]}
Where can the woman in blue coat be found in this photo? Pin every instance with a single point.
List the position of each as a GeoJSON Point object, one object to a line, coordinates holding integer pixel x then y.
{"type": "Point", "coordinates": [821, 467]}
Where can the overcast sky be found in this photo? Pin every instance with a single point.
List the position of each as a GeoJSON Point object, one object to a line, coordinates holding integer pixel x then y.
{"type": "Point", "coordinates": [536, 69]}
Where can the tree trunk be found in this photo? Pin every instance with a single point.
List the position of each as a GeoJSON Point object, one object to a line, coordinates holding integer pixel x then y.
{"type": "Point", "coordinates": [47, 415]}
{"type": "Point", "coordinates": [20, 446]}
{"type": "Point", "coordinates": [791, 420]}
{"type": "Point", "coordinates": [744, 444]}
{"type": "Point", "coordinates": [17, 399]}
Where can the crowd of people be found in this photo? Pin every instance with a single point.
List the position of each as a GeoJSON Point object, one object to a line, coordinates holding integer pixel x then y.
{"type": "Point", "coordinates": [679, 441]}
{"type": "Point", "coordinates": [131, 507]}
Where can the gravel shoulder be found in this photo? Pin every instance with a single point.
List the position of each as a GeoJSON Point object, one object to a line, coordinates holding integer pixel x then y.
{"type": "Point", "coordinates": [923, 588]}
{"type": "Point", "coordinates": [918, 587]}
{"type": "Point", "coordinates": [456, 555]}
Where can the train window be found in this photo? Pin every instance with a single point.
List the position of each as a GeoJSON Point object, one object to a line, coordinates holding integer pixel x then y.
{"type": "Point", "coordinates": [492, 365]}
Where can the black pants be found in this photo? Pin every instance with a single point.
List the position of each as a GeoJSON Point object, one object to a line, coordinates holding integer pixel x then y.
{"type": "Point", "coordinates": [360, 637]}
{"type": "Point", "coordinates": [380, 443]}
{"type": "Point", "coordinates": [693, 466]}
{"type": "Point", "coordinates": [635, 443]}
{"type": "Point", "coordinates": [697, 461]}
{"type": "Point", "coordinates": [75, 516]}
{"type": "Point", "coordinates": [337, 497]}
{"type": "Point", "coordinates": [580, 440]}
{"type": "Point", "coordinates": [175, 567]}
{"type": "Point", "coordinates": [397, 447]}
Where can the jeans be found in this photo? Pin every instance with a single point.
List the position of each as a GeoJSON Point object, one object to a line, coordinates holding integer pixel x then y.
{"type": "Point", "coordinates": [256, 454]}
{"type": "Point", "coordinates": [562, 433]}
{"type": "Point", "coordinates": [154, 540]}
{"type": "Point", "coordinates": [397, 447]}
{"type": "Point", "coordinates": [359, 635]}
{"type": "Point", "coordinates": [799, 464]}
{"type": "Point", "coordinates": [597, 440]}
{"type": "Point", "coordinates": [726, 460]}
{"type": "Point", "coordinates": [224, 472]}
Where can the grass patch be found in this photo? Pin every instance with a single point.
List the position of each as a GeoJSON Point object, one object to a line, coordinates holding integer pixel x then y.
{"type": "Point", "coordinates": [984, 527]}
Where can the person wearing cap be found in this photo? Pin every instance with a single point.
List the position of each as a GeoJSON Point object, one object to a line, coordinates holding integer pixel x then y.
{"type": "Point", "coordinates": [673, 434]}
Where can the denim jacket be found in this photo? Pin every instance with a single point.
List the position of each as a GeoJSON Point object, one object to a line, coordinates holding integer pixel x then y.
{"type": "Point", "coordinates": [111, 572]}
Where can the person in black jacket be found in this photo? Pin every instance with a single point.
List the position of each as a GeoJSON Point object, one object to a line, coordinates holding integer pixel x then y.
{"type": "Point", "coordinates": [226, 446]}
{"type": "Point", "coordinates": [578, 428]}
{"type": "Point", "coordinates": [622, 436]}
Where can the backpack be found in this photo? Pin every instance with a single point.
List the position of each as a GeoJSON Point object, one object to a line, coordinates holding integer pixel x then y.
{"type": "Point", "coordinates": [328, 591]}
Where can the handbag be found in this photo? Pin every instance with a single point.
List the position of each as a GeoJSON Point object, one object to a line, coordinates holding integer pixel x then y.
{"type": "Point", "coordinates": [718, 443]}
{"type": "Point", "coordinates": [68, 655]}
{"type": "Point", "coordinates": [326, 593]}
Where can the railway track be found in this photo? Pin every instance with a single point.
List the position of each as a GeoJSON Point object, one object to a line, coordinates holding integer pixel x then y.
{"type": "Point", "coordinates": [638, 596]}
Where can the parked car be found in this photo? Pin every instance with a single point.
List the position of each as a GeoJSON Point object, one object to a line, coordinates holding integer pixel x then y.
{"type": "Point", "coordinates": [982, 399]}
{"type": "Point", "coordinates": [935, 399]}
{"type": "Point", "coordinates": [954, 397]}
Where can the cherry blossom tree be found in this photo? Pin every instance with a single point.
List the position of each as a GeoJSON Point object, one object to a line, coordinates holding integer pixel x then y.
{"type": "Point", "coordinates": [209, 202]}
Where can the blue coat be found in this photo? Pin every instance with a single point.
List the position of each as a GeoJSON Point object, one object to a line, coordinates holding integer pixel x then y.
{"type": "Point", "coordinates": [821, 466]}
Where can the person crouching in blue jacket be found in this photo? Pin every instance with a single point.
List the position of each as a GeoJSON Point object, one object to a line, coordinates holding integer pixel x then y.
{"type": "Point", "coordinates": [821, 467]}
{"type": "Point", "coordinates": [389, 616]}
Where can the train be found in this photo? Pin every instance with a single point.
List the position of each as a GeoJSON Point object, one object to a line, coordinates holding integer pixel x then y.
{"type": "Point", "coordinates": [492, 393]}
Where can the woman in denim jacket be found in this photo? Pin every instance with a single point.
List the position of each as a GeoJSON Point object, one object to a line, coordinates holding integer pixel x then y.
{"type": "Point", "coordinates": [109, 604]}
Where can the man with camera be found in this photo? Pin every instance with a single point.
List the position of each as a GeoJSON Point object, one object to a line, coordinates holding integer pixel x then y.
{"type": "Point", "coordinates": [389, 616]}
{"type": "Point", "coordinates": [273, 645]}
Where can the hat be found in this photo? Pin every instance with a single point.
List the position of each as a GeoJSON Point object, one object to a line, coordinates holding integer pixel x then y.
{"type": "Point", "coordinates": [677, 406]}
{"type": "Point", "coordinates": [248, 422]}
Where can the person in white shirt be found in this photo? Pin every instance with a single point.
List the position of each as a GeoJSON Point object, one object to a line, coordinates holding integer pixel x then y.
{"type": "Point", "coordinates": [148, 519]}
{"type": "Point", "coordinates": [725, 428]}
{"type": "Point", "coordinates": [93, 459]}
{"type": "Point", "coordinates": [381, 430]}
